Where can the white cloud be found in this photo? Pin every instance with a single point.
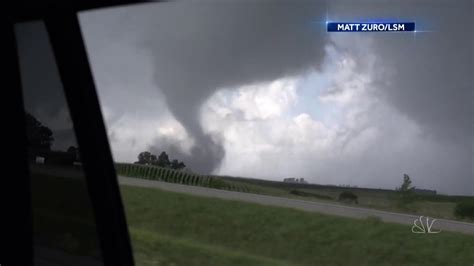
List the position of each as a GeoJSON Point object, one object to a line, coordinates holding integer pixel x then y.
{"type": "Point", "coordinates": [367, 143]}
{"type": "Point", "coordinates": [345, 133]}
{"type": "Point", "coordinates": [131, 134]}
{"type": "Point", "coordinates": [258, 101]}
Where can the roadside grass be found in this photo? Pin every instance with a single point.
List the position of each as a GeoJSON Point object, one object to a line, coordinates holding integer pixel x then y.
{"type": "Point", "coordinates": [177, 229]}
{"type": "Point", "coordinates": [259, 189]}
{"type": "Point", "coordinates": [435, 206]}
{"type": "Point", "coordinates": [62, 215]}
{"type": "Point", "coordinates": [151, 248]}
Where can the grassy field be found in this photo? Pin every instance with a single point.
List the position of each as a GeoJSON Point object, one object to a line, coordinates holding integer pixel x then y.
{"type": "Point", "coordinates": [437, 206]}
{"type": "Point", "coordinates": [62, 215]}
{"type": "Point", "coordinates": [177, 229]}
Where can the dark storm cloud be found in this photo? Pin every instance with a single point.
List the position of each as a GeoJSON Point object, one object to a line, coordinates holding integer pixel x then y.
{"type": "Point", "coordinates": [422, 84]}
{"type": "Point", "coordinates": [431, 73]}
{"type": "Point", "coordinates": [199, 48]}
{"type": "Point", "coordinates": [198, 158]}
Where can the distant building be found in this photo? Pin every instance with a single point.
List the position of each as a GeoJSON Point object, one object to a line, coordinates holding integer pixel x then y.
{"type": "Point", "coordinates": [295, 180]}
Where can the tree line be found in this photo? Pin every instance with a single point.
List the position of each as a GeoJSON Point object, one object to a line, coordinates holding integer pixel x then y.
{"type": "Point", "coordinates": [148, 158]}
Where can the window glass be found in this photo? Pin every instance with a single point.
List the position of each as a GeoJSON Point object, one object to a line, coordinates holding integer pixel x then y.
{"type": "Point", "coordinates": [63, 220]}
{"type": "Point", "coordinates": [244, 133]}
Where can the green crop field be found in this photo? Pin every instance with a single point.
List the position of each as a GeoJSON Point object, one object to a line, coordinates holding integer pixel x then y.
{"type": "Point", "coordinates": [175, 176]}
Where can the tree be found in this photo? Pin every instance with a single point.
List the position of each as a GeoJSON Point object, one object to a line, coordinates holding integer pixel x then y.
{"type": "Point", "coordinates": [75, 151]}
{"type": "Point", "coordinates": [464, 209]}
{"type": "Point", "coordinates": [144, 157]}
{"type": "Point", "coordinates": [72, 149]}
{"type": "Point", "coordinates": [181, 165]}
{"type": "Point", "coordinates": [406, 184]}
{"type": "Point", "coordinates": [39, 137]}
{"type": "Point", "coordinates": [348, 196]}
{"type": "Point", "coordinates": [175, 164]}
{"type": "Point", "coordinates": [163, 160]}
{"type": "Point", "coordinates": [153, 159]}
{"type": "Point", "coordinates": [405, 192]}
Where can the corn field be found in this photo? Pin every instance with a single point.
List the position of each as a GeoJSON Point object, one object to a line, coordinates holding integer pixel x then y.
{"type": "Point", "coordinates": [174, 176]}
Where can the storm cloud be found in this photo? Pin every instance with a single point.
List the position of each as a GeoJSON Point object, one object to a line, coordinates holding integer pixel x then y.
{"type": "Point", "coordinates": [200, 48]}
{"type": "Point", "coordinates": [261, 90]}
{"type": "Point", "coordinates": [429, 75]}
{"type": "Point", "coordinates": [432, 70]}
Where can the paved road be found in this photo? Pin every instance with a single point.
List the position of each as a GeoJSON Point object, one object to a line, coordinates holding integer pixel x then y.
{"type": "Point", "coordinates": [312, 206]}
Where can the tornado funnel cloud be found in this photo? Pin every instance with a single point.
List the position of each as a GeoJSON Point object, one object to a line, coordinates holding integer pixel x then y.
{"type": "Point", "coordinates": [198, 49]}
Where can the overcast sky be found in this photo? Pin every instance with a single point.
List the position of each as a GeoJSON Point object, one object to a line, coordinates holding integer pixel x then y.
{"type": "Point", "coordinates": [261, 90]}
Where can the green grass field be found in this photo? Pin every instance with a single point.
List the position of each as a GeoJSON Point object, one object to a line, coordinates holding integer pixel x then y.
{"type": "Point", "coordinates": [62, 215]}
{"type": "Point", "coordinates": [177, 229]}
{"type": "Point", "coordinates": [436, 206]}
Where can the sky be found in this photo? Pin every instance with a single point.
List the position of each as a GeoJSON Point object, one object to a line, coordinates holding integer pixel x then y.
{"type": "Point", "coordinates": [261, 90]}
